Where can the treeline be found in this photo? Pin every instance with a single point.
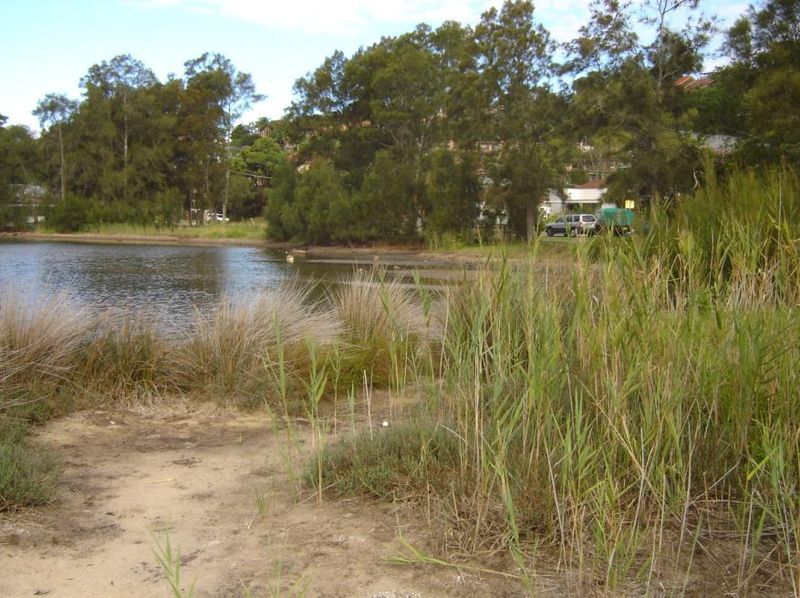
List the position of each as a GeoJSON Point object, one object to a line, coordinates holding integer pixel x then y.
{"type": "Point", "coordinates": [438, 132]}
{"type": "Point", "coordinates": [133, 148]}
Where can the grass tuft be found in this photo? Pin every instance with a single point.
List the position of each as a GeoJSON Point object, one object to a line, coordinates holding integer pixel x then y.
{"type": "Point", "coordinates": [234, 351]}
{"type": "Point", "coordinates": [383, 325]}
{"type": "Point", "coordinates": [27, 473]}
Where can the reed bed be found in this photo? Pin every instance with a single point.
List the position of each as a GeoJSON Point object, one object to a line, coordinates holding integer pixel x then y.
{"type": "Point", "coordinates": [636, 427]}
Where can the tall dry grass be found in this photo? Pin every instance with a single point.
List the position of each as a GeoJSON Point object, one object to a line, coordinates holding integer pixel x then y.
{"type": "Point", "coordinates": [233, 352]}
{"type": "Point", "coordinates": [383, 326]}
{"type": "Point", "coordinates": [125, 359]}
{"type": "Point", "coordinates": [40, 343]}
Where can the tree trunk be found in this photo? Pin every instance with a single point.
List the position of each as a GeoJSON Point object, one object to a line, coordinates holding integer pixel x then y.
{"type": "Point", "coordinates": [206, 193]}
{"type": "Point", "coordinates": [530, 219]}
{"type": "Point", "coordinates": [227, 182]}
{"type": "Point", "coordinates": [63, 167]}
{"type": "Point", "coordinates": [125, 156]}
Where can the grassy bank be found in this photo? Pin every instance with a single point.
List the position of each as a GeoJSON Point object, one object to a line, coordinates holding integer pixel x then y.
{"type": "Point", "coordinates": [630, 423]}
{"type": "Point", "coordinates": [253, 230]}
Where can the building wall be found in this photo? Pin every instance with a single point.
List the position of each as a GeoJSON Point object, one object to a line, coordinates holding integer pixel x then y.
{"type": "Point", "coordinates": [574, 196]}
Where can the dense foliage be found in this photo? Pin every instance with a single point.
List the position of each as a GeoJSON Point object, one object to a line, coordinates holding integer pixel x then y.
{"type": "Point", "coordinates": [455, 131]}
{"type": "Point", "coordinates": [134, 149]}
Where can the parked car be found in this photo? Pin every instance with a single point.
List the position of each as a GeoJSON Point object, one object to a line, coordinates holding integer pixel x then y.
{"type": "Point", "coordinates": [572, 225]}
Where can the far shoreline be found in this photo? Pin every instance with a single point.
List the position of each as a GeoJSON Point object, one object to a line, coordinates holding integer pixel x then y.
{"type": "Point", "coordinates": [110, 239]}
{"type": "Point", "coordinates": [393, 254]}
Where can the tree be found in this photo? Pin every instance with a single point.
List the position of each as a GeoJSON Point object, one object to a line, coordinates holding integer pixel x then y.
{"type": "Point", "coordinates": [624, 94]}
{"type": "Point", "coordinates": [674, 53]}
{"type": "Point", "coordinates": [389, 199]}
{"type": "Point", "coordinates": [765, 47]}
{"type": "Point", "coordinates": [232, 91]}
{"type": "Point", "coordinates": [279, 202]}
{"type": "Point", "coordinates": [119, 81]}
{"type": "Point", "coordinates": [606, 42]}
{"type": "Point", "coordinates": [452, 192]}
{"type": "Point", "coordinates": [53, 112]}
{"type": "Point", "coordinates": [18, 167]}
{"type": "Point", "coordinates": [259, 161]}
{"type": "Point", "coordinates": [515, 65]}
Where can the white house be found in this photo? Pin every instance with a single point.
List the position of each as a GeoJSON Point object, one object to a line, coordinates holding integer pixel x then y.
{"type": "Point", "coordinates": [588, 194]}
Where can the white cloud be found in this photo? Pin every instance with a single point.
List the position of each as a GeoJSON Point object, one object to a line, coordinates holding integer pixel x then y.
{"type": "Point", "coordinates": [321, 16]}
{"type": "Point", "coordinates": [562, 18]}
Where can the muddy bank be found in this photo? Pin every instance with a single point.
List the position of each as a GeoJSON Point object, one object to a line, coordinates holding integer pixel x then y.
{"type": "Point", "coordinates": [383, 255]}
{"type": "Point", "coordinates": [351, 255]}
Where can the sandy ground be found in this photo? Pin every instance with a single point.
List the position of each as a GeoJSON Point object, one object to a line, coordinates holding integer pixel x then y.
{"type": "Point", "coordinates": [219, 485]}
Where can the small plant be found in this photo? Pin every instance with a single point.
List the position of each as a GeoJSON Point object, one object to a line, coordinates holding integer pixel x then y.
{"type": "Point", "coordinates": [170, 562]}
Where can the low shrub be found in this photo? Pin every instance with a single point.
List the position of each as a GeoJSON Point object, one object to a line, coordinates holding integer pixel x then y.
{"type": "Point", "coordinates": [27, 474]}
{"type": "Point", "coordinates": [391, 462]}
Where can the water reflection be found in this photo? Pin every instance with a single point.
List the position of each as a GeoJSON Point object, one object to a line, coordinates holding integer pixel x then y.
{"type": "Point", "coordinates": [164, 283]}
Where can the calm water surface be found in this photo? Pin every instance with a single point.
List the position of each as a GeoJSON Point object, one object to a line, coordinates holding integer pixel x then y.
{"type": "Point", "coordinates": [164, 283]}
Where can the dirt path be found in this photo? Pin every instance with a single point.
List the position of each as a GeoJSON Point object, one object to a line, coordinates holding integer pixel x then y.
{"type": "Point", "coordinates": [218, 484]}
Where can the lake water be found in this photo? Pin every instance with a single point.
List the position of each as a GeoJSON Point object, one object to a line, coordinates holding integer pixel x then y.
{"type": "Point", "coordinates": [161, 282]}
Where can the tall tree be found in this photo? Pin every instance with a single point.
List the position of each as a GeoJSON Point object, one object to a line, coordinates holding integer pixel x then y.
{"type": "Point", "coordinates": [233, 92]}
{"type": "Point", "coordinates": [624, 97]}
{"type": "Point", "coordinates": [118, 81]}
{"type": "Point", "coordinates": [18, 167]}
{"type": "Point", "coordinates": [53, 112]}
{"type": "Point", "coordinates": [765, 75]}
{"type": "Point", "coordinates": [515, 65]}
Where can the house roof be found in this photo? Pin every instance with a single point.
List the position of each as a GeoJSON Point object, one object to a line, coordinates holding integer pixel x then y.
{"type": "Point", "coordinates": [689, 83]}
{"type": "Point", "coordinates": [596, 184]}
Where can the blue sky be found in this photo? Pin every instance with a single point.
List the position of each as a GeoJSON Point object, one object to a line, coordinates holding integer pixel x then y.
{"type": "Point", "coordinates": [48, 45]}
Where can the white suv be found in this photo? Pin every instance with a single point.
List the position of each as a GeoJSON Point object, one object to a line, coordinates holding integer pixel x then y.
{"type": "Point", "coordinates": [572, 225]}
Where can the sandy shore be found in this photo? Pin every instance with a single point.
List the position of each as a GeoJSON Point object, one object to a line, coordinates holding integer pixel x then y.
{"type": "Point", "coordinates": [220, 485]}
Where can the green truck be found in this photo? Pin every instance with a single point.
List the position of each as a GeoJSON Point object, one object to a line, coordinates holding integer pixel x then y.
{"type": "Point", "coordinates": [617, 221]}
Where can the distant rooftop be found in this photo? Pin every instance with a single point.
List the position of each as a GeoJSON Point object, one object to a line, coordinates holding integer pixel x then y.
{"type": "Point", "coordinates": [689, 83]}
{"type": "Point", "coordinates": [596, 184]}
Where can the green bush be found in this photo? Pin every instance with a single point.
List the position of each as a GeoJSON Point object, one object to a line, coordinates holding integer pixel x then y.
{"type": "Point", "coordinates": [27, 474]}
{"type": "Point", "coordinates": [391, 462]}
